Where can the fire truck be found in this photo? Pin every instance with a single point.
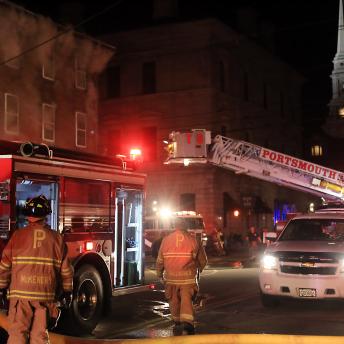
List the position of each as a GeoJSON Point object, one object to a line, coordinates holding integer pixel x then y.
{"type": "Point", "coordinates": [255, 161]}
{"type": "Point", "coordinates": [97, 204]}
{"type": "Point", "coordinates": [161, 224]}
{"type": "Point", "coordinates": [306, 260]}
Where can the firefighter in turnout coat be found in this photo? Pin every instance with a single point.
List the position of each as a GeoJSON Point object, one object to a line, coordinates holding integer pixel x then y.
{"type": "Point", "coordinates": [181, 258]}
{"type": "Point", "coordinates": [34, 264]}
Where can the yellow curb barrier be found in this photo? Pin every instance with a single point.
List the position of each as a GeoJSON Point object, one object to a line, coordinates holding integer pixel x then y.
{"type": "Point", "coordinates": [198, 339]}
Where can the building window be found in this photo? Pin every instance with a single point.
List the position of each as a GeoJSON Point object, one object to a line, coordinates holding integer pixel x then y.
{"type": "Point", "coordinates": [80, 129]}
{"type": "Point", "coordinates": [148, 78]}
{"type": "Point", "coordinates": [222, 81]}
{"type": "Point", "coordinates": [11, 113]}
{"type": "Point", "coordinates": [149, 143]}
{"type": "Point", "coordinates": [48, 69]}
{"type": "Point", "coordinates": [265, 96]}
{"type": "Point", "coordinates": [245, 86]}
{"type": "Point", "coordinates": [188, 201]}
{"type": "Point", "coordinates": [113, 82]}
{"type": "Point", "coordinates": [341, 112]}
{"type": "Point", "coordinates": [48, 123]}
{"type": "Point", "coordinates": [316, 150]}
{"type": "Point", "coordinates": [80, 76]}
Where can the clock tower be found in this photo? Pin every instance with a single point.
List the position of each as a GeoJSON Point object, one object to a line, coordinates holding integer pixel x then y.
{"type": "Point", "coordinates": [335, 122]}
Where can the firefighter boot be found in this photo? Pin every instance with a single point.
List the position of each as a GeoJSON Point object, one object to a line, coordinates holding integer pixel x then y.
{"type": "Point", "coordinates": [177, 328]}
{"type": "Point", "coordinates": [188, 329]}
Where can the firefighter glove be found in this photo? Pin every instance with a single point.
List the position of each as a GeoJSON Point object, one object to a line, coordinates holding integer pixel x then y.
{"type": "Point", "coordinates": [66, 299]}
{"type": "Point", "coordinates": [3, 299]}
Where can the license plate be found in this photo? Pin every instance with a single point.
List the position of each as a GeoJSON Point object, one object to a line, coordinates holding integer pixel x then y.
{"type": "Point", "coordinates": [307, 292]}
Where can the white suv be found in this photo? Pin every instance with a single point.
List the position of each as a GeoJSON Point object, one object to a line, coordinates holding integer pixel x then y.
{"type": "Point", "coordinates": [307, 259]}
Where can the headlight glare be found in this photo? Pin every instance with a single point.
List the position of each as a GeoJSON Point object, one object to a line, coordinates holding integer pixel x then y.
{"type": "Point", "coordinates": [342, 265]}
{"type": "Point", "coordinates": [269, 262]}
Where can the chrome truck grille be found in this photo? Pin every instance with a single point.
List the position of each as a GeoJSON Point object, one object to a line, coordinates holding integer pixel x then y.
{"type": "Point", "coordinates": [309, 263]}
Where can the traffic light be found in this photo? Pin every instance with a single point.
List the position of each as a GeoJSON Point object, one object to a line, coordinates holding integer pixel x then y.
{"type": "Point", "coordinates": [189, 145]}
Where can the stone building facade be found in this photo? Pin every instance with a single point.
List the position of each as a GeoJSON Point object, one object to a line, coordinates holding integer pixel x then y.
{"type": "Point", "coordinates": [202, 74]}
{"type": "Point", "coordinates": [48, 82]}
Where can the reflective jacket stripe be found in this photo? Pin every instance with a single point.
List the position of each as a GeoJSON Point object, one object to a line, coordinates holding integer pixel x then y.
{"type": "Point", "coordinates": [4, 268]}
{"type": "Point", "coordinates": [31, 297]}
{"type": "Point", "coordinates": [5, 265]}
{"type": "Point", "coordinates": [186, 253]}
{"type": "Point", "coordinates": [57, 261]}
{"type": "Point", "coordinates": [36, 263]}
{"type": "Point", "coordinates": [181, 281]}
{"type": "Point", "coordinates": [31, 292]}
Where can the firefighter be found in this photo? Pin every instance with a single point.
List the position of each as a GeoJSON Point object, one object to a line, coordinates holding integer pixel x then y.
{"type": "Point", "coordinates": [34, 264]}
{"type": "Point", "coordinates": [181, 258]}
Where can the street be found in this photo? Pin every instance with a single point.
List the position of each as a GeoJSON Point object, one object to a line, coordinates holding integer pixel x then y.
{"type": "Point", "coordinates": [229, 304]}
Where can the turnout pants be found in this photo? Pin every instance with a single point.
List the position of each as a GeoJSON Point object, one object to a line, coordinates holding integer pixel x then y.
{"type": "Point", "coordinates": [28, 322]}
{"type": "Point", "coordinates": [180, 299]}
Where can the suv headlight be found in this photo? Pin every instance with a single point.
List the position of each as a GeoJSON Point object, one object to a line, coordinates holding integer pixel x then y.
{"type": "Point", "coordinates": [341, 267]}
{"type": "Point", "coordinates": [269, 262]}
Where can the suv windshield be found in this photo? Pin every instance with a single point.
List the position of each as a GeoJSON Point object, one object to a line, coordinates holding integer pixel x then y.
{"type": "Point", "coordinates": [314, 230]}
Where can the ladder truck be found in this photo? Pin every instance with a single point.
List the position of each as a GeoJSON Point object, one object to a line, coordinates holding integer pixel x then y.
{"type": "Point", "coordinates": [246, 158]}
{"type": "Point", "coordinates": [306, 260]}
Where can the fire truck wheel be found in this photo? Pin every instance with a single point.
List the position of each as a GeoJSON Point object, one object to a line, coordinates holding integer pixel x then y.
{"type": "Point", "coordinates": [88, 298]}
{"type": "Point", "coordinates": [269, 300]}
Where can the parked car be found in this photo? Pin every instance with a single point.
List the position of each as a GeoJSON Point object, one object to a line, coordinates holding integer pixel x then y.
{"type": "Point", "coordinates": [307, 259]}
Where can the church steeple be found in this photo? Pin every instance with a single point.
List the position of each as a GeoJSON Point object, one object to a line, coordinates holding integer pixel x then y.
{"type": "Point", "coordinates": [335, 122]}
{"type": "Point", "coordinates": [340, 42]}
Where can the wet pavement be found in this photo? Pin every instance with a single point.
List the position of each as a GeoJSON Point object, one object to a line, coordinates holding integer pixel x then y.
{"type": "Point", "coordinates": [146, 314]}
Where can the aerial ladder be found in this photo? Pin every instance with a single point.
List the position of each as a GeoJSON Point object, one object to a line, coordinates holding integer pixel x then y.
{"type": "Point", "coordinates": [197, 147]}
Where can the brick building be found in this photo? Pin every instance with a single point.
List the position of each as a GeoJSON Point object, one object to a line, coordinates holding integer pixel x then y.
{"type": "Point", "coordinates": [48, 80]}
{"type": "Point", "coordinates": [202, 74]}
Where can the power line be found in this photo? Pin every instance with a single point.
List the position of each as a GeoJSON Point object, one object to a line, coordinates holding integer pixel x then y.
{"type": "Point", "coordinates": [63, 32]}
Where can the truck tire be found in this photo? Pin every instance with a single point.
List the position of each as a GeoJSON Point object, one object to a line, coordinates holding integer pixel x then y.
{"type": "Point", "coordinates": [268, 301]}
{"type": "Point", "coordinates": [88, 299]}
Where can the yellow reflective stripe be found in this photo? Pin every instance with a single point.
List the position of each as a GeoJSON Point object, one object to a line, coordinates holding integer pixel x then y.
{"type": "Point", "coordinates": [188, 281]}
{"type": "Point", "coordinates": [37, 258]}
{"type": "Point", "coordinates": [6, 265]}
{"type": "Point", "coordinates": [31, 292]}
{"type": "Point", "coordinates": [4, 268]}
{"type": "Point", "coordinates": [36, 263]}
{"type": "Point", "coordinates": [65, 270]}
{"type": "Point", "coordinates": [186, 316]}
{"type": "Point", "coordinates": [19, 296]}
{"type": "Point", "coordinates": [67, 275]}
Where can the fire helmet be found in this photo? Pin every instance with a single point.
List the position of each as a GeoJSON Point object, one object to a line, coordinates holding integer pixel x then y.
{"type": "Point", "coordinates": [37, 207]}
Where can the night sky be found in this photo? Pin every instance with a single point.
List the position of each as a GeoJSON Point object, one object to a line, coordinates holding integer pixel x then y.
{"type": "Point", "coordinates": [305, 31]}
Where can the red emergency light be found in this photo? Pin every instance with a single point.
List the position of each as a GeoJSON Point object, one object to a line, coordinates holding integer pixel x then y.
{"type": "Point", "coordinates": [88, 245]}
{"type": "Point", "coordinates": [135, 154]}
